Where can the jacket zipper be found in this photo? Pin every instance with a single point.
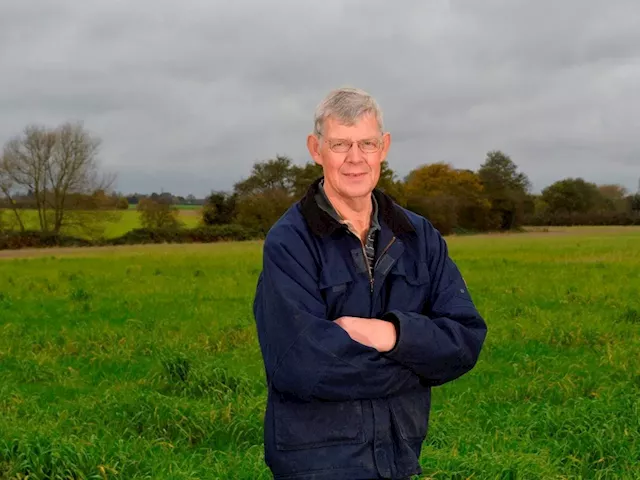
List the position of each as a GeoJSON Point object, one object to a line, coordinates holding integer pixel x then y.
{"type": "Point", "coordinates": [384, 251]}
{"type": "Point", "coordinates": [371, 281]}
{"type": "Point", "coordinates": [364, 252]}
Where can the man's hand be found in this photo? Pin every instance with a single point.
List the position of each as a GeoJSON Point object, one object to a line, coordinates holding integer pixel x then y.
{"type": "Point", "coordinates": [372, 332]}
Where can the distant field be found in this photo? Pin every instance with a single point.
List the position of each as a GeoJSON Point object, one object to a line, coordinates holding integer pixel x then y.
{"type": "Point", "coordinates": [189, 207]}
{"type": "Point", "coordinates": [142, 362]}
{"type": "Point", "coordinates": [128, 220]}
{"type": "Point", "coordinates": [131, 219]}
{"type": "Point", "coordinates": [180, 207]}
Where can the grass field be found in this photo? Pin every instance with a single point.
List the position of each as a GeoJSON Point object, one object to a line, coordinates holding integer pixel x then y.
{"type": "Point", "coordinates": [142, 362]}
{"type": "Point", "coordinates": [179, 207]}
{"type": "Point", "coordinates": [127, 220]}
{"type": "Point", "coordinates": [130, 219]}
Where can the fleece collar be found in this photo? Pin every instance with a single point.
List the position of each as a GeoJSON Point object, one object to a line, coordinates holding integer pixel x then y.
{"type": "Point", "coordinates": [322, 223]}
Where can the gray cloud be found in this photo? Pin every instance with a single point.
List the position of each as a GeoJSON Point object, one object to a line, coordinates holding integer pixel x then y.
{"type": "Point", "coordinates": [187, 96]}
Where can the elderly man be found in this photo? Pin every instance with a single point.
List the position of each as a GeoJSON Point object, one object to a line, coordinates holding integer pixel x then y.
{"type": "Point", "coordinates": [360, 311]}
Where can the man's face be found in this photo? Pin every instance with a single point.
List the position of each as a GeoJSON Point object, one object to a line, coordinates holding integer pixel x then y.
{"type": "Point", "coordinates": [350, 172]}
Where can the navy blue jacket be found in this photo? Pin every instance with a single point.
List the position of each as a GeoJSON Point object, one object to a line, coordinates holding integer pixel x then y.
{"type": "Point", "coordinates": [338, 409]}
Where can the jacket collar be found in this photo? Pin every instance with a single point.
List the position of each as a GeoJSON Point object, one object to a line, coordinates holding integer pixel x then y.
{"type": "Point", "coordinates": [322, 223]}
{"type": "Point", "coordinates": [323, 202]}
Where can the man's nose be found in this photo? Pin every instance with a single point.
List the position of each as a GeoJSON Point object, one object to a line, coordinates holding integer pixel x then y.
{"type": "Point", "coordinates": [354, 155]}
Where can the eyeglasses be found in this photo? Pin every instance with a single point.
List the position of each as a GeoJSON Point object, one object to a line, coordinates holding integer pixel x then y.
{"type": "Point", "coordinates": [367, 145]}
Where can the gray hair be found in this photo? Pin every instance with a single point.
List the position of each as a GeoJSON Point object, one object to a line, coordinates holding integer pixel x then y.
{"type": "Point", "coordinates": [346, 105]}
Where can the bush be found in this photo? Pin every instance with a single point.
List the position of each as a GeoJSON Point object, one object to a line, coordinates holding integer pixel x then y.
{"type": "Point", "coordinates": [261, 211]}
{"type": "Point", "coordinates": [219, 209]}
{"type": "Point", "coordinates": [201, 234]}
{"type": "Point", "coordinates": [122, 204]}
{"type": "Point", "coordinates": [584, 219]}
{"type": "Point", "coordinates": [440, 210]}
{"type": "Point", "coordinates": [158, 214]}
{"type": "Point", "coordinates": [218, 233]}
{"type": "Point", "coordinates": [36, 239]}
{"type": "Point", "coordinates": [139, 236]}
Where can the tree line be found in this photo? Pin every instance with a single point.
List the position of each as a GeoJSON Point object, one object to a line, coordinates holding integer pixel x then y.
{"type": "Point", "coordinates": [53, 174]}
{"type": "Point", "coordinates": [164, 197]}
{"type": "Point", "coordinates": [496, 197]}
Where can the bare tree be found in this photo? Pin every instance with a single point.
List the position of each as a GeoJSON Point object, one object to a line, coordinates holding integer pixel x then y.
{"type": "Point", "coordinates": [56, 170]}
{"type": "Point", "coordinates": [6, 188]}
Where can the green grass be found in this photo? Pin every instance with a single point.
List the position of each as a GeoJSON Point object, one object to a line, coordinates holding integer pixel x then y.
{"type": "Point", "coordinates": [130, 219]}
{"type": "Point", "coordinates": [189, 207]}
{"type": "Point", "coordinates": [179, 207]}
{"type": "Point", "coordinates": [127, 220]}
{"type": "Point", "coordinates": [142, 362]}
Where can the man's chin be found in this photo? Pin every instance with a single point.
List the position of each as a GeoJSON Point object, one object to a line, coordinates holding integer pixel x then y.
{"type": "Point", "coordinates": [357, 191]}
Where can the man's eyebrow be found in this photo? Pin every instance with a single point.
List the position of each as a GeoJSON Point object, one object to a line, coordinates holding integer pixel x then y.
{"type": "Point", "coordinates": [350, 140]}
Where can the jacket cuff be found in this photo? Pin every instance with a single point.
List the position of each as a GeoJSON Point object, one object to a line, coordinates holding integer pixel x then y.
{"type": "Point", "coordinates": [392, 318]}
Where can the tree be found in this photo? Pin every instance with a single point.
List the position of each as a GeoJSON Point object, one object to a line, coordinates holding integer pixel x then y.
{"type": "Point", "coordinates": [273, 186]}
{"type": "Point", "coordinates": [57, 169]}
{"type": "Point", "coordinates": [260, 211]}
{"type": "Point", "coordinates": [441, 210]}
{"type": "Point", "coordinates": [613, 198]}
{"type": "Point", "coordinates": [303, 177]}
{"type": "Point", "coordinates": [122, 204]}
{"type": "Point", "coordinates": [635, 203]}
{"type": "Point", "coordinates": [274, 174]}
{"type": "Point", "coordinates": [391, 185]}
{"type": "Point", "coordinates": [7, 189]}
{"type": "Point", "coordinates": [455, 197]}
{"type": "Point", "coordinates": [571, 195]}
{"type": "Point", "coordinates": [158, 214]}
{"type": "Point", "coordinates": [506, 189]}
{"type": "Point", "coordinates": [219, 209]}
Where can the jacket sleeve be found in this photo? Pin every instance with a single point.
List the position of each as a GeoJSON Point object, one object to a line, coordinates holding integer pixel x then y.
{"type": "Point", "coordinates": [305, 354]}
{"type": "Point", "coordinates": [445, 341]}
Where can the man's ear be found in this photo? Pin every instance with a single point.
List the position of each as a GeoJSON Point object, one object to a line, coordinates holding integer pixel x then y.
{"type": "Point", "coordinates": [313, 145]}
{"type": "Point", "coordinates": [386, 143]}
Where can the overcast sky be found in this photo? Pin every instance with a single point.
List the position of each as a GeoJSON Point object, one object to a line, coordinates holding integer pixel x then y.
{"type": "Point", "coordinates": [187, 95]}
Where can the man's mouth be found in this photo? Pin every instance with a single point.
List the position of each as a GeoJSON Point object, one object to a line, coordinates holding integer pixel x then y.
{"type": "Point", "coordinates": [355, 175]}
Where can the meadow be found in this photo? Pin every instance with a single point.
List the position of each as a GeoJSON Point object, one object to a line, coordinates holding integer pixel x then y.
{"type": "Point", "coordinates": [142, 362]}
{"type": "Point", "coordinates": [125, 221]}
{"type": "Point", "coordinates": [130, 219]}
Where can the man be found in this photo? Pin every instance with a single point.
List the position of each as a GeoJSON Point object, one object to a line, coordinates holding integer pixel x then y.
{"type": "Point", "coordinates": [359, 311]}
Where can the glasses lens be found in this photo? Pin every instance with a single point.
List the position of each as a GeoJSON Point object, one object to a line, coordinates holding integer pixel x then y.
{"type": "Point", "coordinates": [369, 146]}
{"type": "Point", "coordinates": [340, 146]}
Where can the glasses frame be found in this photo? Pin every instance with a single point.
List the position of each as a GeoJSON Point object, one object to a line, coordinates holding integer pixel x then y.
{"type": "Point", "coordinates": [331, 141]}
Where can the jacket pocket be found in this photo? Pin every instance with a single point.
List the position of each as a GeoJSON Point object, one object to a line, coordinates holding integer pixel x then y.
{"type": "Point", "coordinates": [335, 286]}
{"type": "Point", "coordinates": [411, 414]}
{"type": "Point", "coordinates": [408, 287]}
{"type": "Point", "coordinates": [301, 425]}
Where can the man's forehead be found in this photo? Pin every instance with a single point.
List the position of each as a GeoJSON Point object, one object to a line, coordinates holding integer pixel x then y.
{"type": "Point", "coordinates": [366, 125]}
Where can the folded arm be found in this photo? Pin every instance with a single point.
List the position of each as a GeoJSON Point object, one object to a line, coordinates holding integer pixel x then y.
{"type": "Point", "coordinates": [305, 354]}
{"type": "Point", "coordinates": [445, 341]}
